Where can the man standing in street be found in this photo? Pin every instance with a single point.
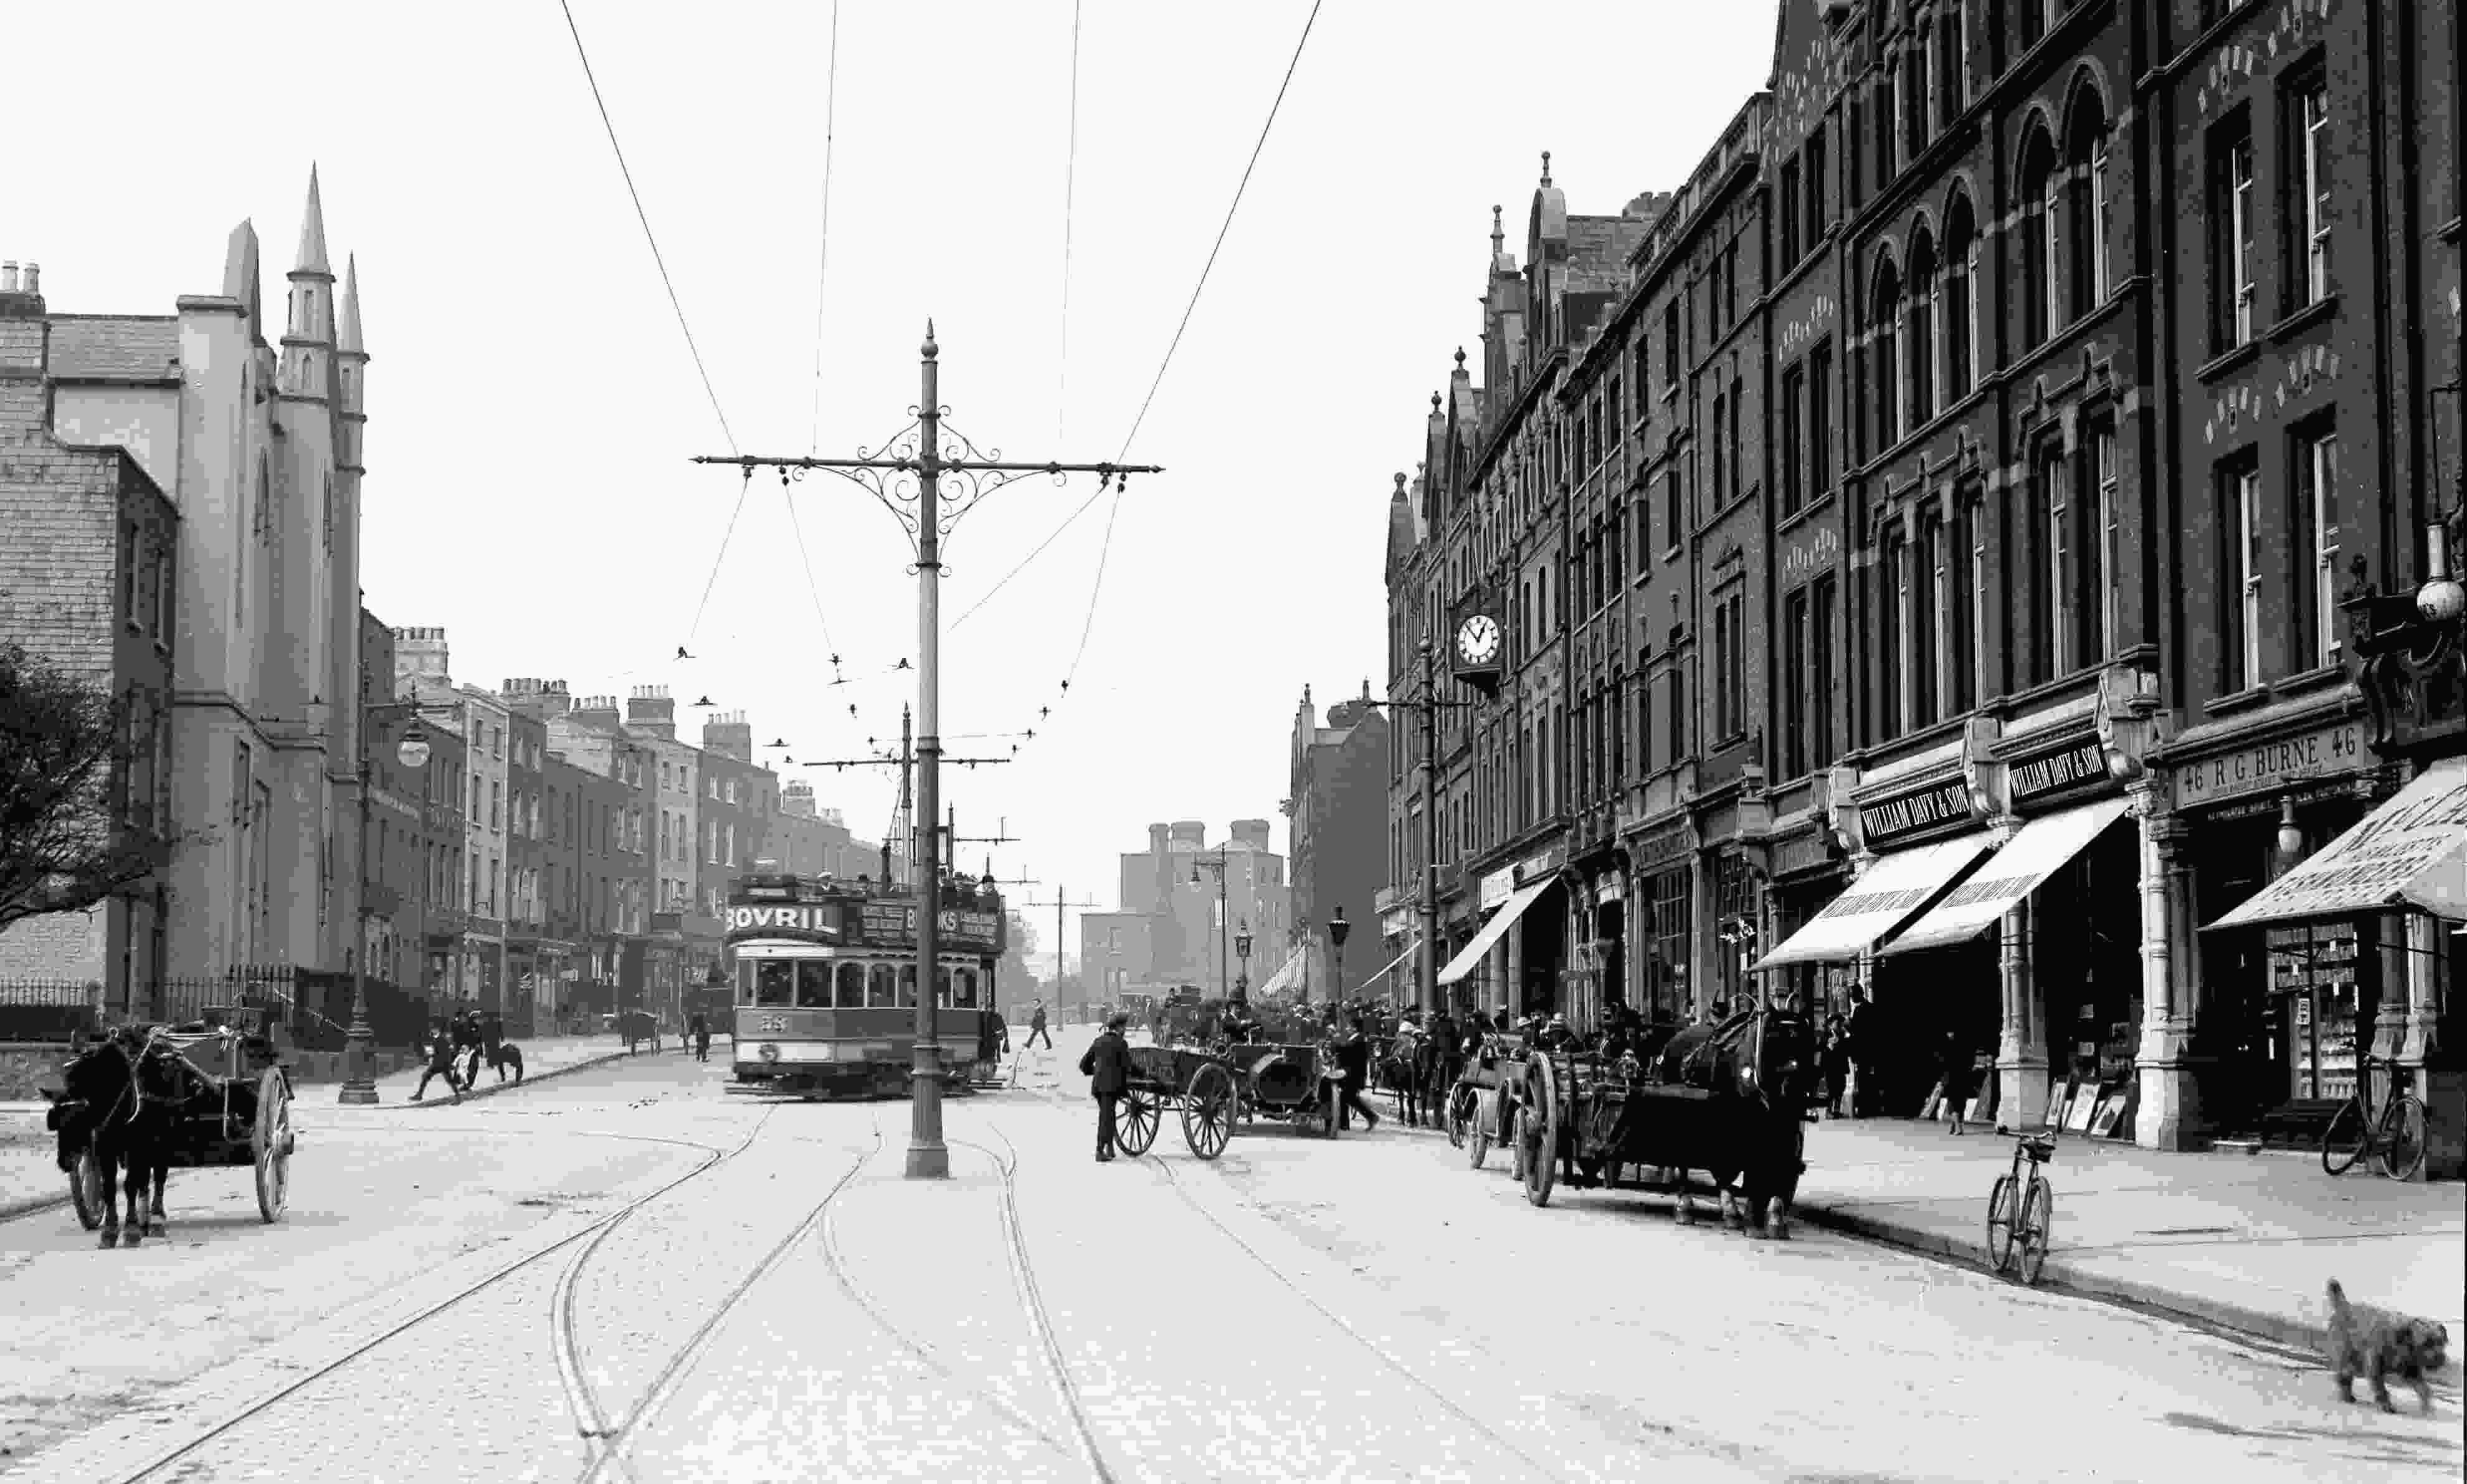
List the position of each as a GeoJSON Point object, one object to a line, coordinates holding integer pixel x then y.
{"type": "Point", "coordinates": [1861, 1033]}
{"type": "Point", "coordinates": [1036, 1028]}
{"type": "Point", "coordinates": [1107, 1065]}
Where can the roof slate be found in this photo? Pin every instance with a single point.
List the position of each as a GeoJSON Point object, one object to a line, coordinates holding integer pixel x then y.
{"type": "Point", "coordinates": [104, 347]}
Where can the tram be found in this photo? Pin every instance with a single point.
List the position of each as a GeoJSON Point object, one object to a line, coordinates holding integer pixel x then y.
{"type": "Point", "coordinates": [826, 984]}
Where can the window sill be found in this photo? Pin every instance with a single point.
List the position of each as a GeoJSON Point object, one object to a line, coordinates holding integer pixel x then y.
{"type": "Point", "coordinates": [2325, 677]}
{"type": "Point", "coordinates": [2303, 319]}
{"type": "Point", "coordinates": [2227, 361]}
{"type": "Point", "coordinates": [2244, 700]}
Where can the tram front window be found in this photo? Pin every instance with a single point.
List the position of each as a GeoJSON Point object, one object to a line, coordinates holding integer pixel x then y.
{"type": "Point", "coordinates": [852, 986]}
{"type": "Point", "coordinates": [775, 983]}
{"type": "Point", "coordinates": [880, 987]}
{"type": "Point", "coordinates": [966, 979]}
{"type": "Point", "coordinates": [745, 968]}
{"type": "Point", "coordinates": [813, 985]}
{"type": "Point", "coordinates": [908, 986]}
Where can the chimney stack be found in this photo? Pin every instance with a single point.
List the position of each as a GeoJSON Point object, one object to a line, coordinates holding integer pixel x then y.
{"type": "Point", "coordinates": [32, 283]}
{"type": "Point", "coordinates": [651, 709]}
{"type": "Point", "coordinates": [729, 734]}
{"type": "Point", "coordinates": [8, 277]}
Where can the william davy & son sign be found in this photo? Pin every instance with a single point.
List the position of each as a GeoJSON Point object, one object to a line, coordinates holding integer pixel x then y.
{"type": "Point", "coordinates": [1894, 818]}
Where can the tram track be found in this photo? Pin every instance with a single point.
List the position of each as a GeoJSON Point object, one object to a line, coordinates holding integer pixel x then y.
{"type": "Point", "coordinates": [266, 1401]}
{"type": "Point", "coordinates": [1385, 1357]}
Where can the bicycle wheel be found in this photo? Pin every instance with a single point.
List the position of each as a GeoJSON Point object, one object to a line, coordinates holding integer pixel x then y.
{"type": "Point", "coordinates": [2399, 1149]}
{"type": "Point", "coordinates": [2003, 1209]}
{"type": "Point", "coordinates": [2038, 1228]}
{"type": "Point", "coordinates": [2345, 1139]}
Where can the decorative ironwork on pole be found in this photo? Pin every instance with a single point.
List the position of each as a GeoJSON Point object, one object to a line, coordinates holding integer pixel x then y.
{"type": "Point", "coordinates": [906, 477]}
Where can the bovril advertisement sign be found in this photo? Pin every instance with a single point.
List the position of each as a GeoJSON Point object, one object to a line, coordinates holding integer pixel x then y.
{"type": "Point", "coordinates": [821, 920]}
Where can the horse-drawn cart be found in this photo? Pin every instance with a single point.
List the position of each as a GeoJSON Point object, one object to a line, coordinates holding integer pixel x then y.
{"type": "Point", "coordinates": [1481, 1107]}
{"type": "Point", "coordinates": [1726, 1099]}
{"type": "Point", "coordinates": [230, 1098]}
{"type": "Point", "coordinates": [1213, 1089]}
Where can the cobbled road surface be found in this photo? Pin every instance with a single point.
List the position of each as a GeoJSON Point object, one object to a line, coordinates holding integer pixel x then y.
{"type": "Point", "coordinates": [445, 1300]}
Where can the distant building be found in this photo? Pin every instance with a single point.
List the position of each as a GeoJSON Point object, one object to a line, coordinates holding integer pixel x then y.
{"type": "Point", "coordinates": [1337, 814]}
{"type": "Point", "coordinates": [1174, 928]}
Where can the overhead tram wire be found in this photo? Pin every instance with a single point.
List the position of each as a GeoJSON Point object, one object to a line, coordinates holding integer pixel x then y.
{"type": "Point", "coordinates": [1097, 588]}
{"type": "Point", "coordinates": [822, 273]}
{"type": "Point", "coordinates": [674, 303]}
{"type": "Point", "coordinates": [1070, 183]}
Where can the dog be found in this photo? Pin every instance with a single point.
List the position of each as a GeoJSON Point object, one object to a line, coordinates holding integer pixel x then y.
{"type": "Point", "coordinates": [508, 1055]}
{"type": "Point", "coordinates": [2376, 1344]}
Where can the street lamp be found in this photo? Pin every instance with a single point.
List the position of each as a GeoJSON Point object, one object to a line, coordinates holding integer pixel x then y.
{"type": "Point", "coordinates": [1219, 866]}
{"type": "Point", "coordinates": [1243, 949]}
{"type": "Point", "coordinates": [1337, 928]}
{"type": "Point", "coordinates": [359, 1084]}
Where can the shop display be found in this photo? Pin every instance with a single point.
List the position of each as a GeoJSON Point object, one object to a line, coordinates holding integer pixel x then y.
{"type": "Point", "coordinates": [2313, 975]}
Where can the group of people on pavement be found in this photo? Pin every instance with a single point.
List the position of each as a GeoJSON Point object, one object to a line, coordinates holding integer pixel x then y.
{"type": "Point", "coordinates": [456, 1045]}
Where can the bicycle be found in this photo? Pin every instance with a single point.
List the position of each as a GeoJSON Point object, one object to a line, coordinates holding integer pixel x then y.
{"type": "Point", "coordinates": [2395, 1140]}
{"type": "Point", "coordinates": [2022, 1209]}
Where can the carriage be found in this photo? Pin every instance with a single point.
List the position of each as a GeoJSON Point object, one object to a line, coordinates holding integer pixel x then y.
{"type": "Point", "coordinates": [237, 1111]}
{"type": "Point", "coordinates": [1482, 1106]}
{"type": "Point", "coordinates": [1213, 1089]}
{"type": "Point", "coordinates": [1728, 1099]}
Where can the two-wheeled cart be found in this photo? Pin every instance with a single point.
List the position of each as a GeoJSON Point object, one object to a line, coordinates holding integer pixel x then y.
{"type": "Point", "coordinates": [1214, 1088]}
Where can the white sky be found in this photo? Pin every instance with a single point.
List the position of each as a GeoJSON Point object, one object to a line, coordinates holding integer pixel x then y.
{"type": "Point", "coordinates": [533, 405]}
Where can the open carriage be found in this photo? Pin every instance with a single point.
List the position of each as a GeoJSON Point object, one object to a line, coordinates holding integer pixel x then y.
{"type": "Point", "coordinates": [234, 1111]}
{"type": "Point", "coordinates": [1213, 1089]}
{"type": "Point", "coordinates": [1729, 1100]}
{"type": "Point", "coordinates": [1482, 1106]}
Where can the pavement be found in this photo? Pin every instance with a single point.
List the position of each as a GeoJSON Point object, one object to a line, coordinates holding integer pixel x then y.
{"type": "Point", "coordinates": [2245, 1242]}
{"type": "Point", "coordinates": [31, 1179]}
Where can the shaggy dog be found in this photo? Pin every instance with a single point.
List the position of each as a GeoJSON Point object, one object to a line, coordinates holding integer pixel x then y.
{"type": "Point", "coordinates": [2377, 1344]}
{"type": "Point", "coordinates": [508, 1055]}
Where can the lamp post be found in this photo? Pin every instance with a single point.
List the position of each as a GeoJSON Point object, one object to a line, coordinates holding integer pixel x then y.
{"type": "Point", "coordinates": [1337, 928]}
{"type": "Point", "coordinates": [1243, 949]}
{"type": "Point", "coordinates": [1218, 866]}
{"type": "Point", "coordinates": [359, 1084]}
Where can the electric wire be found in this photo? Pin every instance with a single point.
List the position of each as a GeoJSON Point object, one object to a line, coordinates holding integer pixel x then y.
{"type": "Point", "coordinates": [1070, 180]}
{"type": "Point", "coordinates": [583, 54]}
{"type": "Point", "coordinates": [822, 273]}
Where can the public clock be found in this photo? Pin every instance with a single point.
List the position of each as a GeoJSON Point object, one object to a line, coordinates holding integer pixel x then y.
{"type": "Point", "coordinates": [1478, 640]}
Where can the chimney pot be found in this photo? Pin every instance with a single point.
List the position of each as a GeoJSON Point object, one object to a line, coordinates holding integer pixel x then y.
{"type": "Point", "coordinates": [34, 277]}
{"type": "Point", "coordinates": [8, 277]}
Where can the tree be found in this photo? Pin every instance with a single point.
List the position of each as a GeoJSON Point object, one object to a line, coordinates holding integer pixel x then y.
{"type": "Point", "coordinates": [62, 848]}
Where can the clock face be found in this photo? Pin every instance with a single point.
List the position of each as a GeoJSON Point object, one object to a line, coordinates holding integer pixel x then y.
{"type": "Point", "coordinates": [1478, 641]}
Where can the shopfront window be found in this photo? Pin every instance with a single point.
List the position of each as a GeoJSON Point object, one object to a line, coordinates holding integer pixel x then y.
{"type": "Point", "coordinates": [1665, 970]}
{"type": "Point", "coordinates": [2312, 981]}
{"type": "Point", "coordinates": [1735, 899]}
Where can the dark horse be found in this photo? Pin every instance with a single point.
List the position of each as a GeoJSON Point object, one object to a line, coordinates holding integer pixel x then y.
{"type": "Point", "coordinates": [122, 1103]}
{"type": "Point", "coordinates": [1758, 1067]}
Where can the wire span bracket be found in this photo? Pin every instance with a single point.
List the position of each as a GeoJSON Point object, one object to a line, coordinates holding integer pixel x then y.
{"type": "Point", "coordinates": [893, 474]}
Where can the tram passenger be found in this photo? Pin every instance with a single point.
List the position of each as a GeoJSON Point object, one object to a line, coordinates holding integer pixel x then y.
{"type": "Point", "coordinates": [1107, 1065]}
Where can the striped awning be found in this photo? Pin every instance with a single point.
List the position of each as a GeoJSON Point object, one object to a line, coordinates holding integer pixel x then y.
{"type": "Point", "coordinates": [1287, 975]}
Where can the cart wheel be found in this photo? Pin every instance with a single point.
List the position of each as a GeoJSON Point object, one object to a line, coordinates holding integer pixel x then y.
{"type": "Point", "coordinates": [1139, 1124]}
{"type": "Point", "coordinates": [1478, 1129]}
{"type": "Point", "coordinates": [1459, 1114]}
{"type": "Point", "coordinates": [1207, 1109]}
{"type": "Point", "coordinates": [85, 1188]}
{"type": "Point", "coordinates": [1538, 1131]}
{"type": "Point", "coordinates": [269, 1143]}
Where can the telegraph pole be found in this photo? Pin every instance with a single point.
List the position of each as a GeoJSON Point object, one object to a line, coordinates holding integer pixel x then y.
{"type": "Point", "coordinates": [928, 1157]}
{"type": "Point", "coordinates": [1061, 900]}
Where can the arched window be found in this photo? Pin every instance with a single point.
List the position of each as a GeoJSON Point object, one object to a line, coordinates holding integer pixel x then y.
{"type": "Point", "coordinates": [1924, 318]}
{"type": "Point", "coordinates": [1959, 323]}
{"type": "Point", "coordinates": [881, 992]}
{"type": "Point", "coordinates": [2088, 204]}
{"type": "Point", "coordinates": [1884, 330]}
{"type": "Point", "coordinates": [2040, 307]}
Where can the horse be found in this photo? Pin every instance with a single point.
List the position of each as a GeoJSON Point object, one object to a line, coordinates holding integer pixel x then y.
{"type": "Point", "coordinates": [1758, 1065]}
{"type": "Point", "coordinates": [121, 1102]}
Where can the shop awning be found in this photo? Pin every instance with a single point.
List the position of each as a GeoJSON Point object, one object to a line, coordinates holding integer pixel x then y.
{"type": "Point", "coordinates": [1288, 974]}
{"type": "Point", "coordinates": [2411, 852]}
{"type": "Point", "coordinates": [1493, 931]}
{"type": "Point", "coordinates": [2037, 851]}
{"type": "Point", "coordinates": [1894, 889]}
{"type": "Point", "coordinates": [1390, 966]}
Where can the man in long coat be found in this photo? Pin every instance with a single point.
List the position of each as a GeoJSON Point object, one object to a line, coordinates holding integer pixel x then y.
{"type": "Point", "coordinates": [1107, 1065]}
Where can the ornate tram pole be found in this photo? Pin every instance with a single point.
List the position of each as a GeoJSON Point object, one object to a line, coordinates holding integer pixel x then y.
{"type": "Point", "coordinates": [928, 1159]}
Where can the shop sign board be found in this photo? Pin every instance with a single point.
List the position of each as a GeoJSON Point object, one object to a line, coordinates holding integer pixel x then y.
{"type": "Point", "coordinates": [1535, 867]}
{"type": "Point", "coordinates": [2263, 766]}
{"type": "Point", "coordinates": [1498, 886]}
{"type": "Point", "coordinates": [1665, 848]}
{"type": "Point", "coordinates": [2410, 851]}
{"type": "Point", "coordinates": [1894, 819]}
{"type": "Point", "coordinates": [2060, 772]}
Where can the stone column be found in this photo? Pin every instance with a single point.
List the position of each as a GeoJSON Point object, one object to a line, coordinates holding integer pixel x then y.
{"type": "Point", "coordinates": [2428, 954]}
{"type": "Point", "coordinates": [1704, 946]}
{"type": "Point", "coordinates": [1511, 987]}
{"type": "Point", "coordinates": [2396, 1008]}
{"type": "Point", "coordinates": [2022, 1054]}
{"type": "Point", "coordinates": [2167, 1104]}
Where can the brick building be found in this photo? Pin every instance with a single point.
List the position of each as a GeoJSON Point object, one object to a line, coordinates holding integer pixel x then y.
{"type": "Point", "coordinates": [90, 549]}
{"type": "Point", "coordinates": [2079, 359]}
{"type": "Point", "coordinates": [1336, 815]}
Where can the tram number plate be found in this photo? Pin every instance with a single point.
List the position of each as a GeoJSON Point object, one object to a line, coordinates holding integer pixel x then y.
{"type": "Point", "coordinates": [773, 1025]}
